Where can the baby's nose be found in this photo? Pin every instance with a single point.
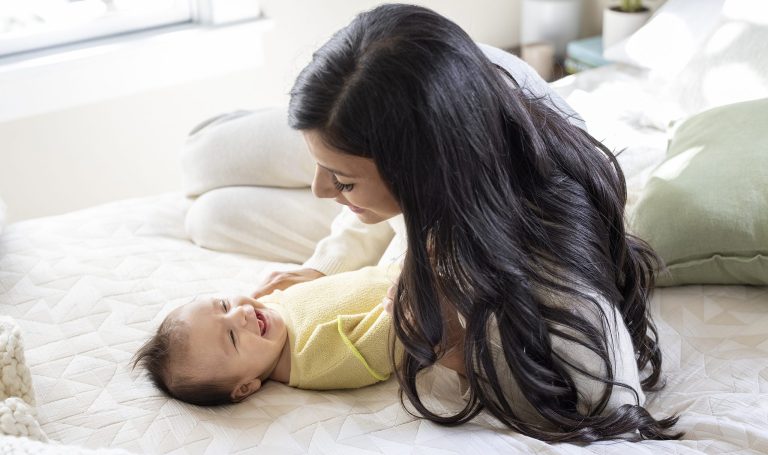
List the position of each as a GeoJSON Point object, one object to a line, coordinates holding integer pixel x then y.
{"type": "Point", "coordinates": [243, 313]}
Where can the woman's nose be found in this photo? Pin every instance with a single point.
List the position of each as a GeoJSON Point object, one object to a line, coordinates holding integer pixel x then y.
{"type": "Point", "coordinates": [322, 184]}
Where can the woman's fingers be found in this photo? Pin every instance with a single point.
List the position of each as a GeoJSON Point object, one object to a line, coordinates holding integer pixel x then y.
{"type": "Point", "coordinates": [389, 300]}
{"type": "Point", "coordinates": [283, 280]}
{"type": "Point", "coordinates": [265, 289]}
{"type": "Point", "coordinates": [391, 291]}
{"type": "Point", "coordinates": [387, 303]}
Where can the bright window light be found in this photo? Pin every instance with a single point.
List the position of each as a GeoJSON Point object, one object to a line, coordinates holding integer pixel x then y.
{"type": "Point", "coordinates": [27, 25]}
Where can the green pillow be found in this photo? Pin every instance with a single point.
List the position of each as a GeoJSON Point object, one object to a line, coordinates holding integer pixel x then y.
{"type": "Point", "coordinates": [705, 207]}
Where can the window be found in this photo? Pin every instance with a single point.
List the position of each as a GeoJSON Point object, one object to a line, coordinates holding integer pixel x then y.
{"type": "Point", "coordinates": [27, 25]}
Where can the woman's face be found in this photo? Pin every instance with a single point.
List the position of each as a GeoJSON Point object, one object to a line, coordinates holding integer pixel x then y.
{"type": "Point", "coordinates": [350, 180]}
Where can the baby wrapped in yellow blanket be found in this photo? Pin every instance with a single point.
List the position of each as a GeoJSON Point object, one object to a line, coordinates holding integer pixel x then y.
{"type": "Point", "coordinates": [338, 332]}
{"type": "Point", "coordinates": [329, 333]}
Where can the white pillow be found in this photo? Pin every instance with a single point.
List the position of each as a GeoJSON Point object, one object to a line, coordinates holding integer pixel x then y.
{"type": "Point", "coordinates": [273, 224]}
{"type": "Point", "coordinates": [246, 148]}
{"type": "Point", "coordinates": [670, 37]}
{"type": "Point", "coordinates": [731, 65]}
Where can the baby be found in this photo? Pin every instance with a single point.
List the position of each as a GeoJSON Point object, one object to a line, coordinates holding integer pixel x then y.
{"type": "Point", "coordinates": [330, 333]}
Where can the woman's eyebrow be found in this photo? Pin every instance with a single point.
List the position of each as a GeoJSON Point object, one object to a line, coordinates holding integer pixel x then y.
{"type": "Point", "coordinates": [334, 171]}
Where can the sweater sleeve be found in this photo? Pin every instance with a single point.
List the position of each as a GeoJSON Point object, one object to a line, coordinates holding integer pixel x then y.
{"type": "Point", "coordinates": [351, 245]}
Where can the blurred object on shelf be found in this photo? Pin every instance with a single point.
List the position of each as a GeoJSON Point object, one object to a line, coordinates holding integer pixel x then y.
{"type": "Point", "coordinates": [584, 54]}
{"type": "Point", "coordinates": [623, 20]}
{"type": "Point", "coordinates": [541, 56]}
{"type": "Point", "coordinates": [552, 21]}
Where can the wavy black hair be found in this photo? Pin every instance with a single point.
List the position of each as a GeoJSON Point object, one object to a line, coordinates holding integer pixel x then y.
{"type": "Point", "coordinates": [508, 208]}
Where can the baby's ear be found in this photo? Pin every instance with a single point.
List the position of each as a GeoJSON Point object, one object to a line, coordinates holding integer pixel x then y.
{"type": "Point", "coordinates": [245, 389]}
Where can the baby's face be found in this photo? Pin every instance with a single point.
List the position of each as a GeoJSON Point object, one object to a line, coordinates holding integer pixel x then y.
{"type": "Point", "coordinates": [231, 338]}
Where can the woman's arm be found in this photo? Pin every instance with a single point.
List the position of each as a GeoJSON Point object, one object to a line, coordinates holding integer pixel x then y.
{"type": "Point", "coordinates": [453, 357]}
{"type": "Point", "coordinates": [351, 245]}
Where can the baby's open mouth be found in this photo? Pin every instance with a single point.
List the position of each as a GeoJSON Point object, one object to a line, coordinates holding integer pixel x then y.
{"type": "Point", "coordinates": [262, 322]}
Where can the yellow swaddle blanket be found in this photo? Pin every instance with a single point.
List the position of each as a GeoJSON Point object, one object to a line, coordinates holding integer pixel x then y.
{"type": "Point", "coordinates": [339, 334]}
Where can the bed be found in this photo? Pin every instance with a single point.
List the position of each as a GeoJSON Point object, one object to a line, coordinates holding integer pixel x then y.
{"type": "Point", "coordinates": [88, 287]}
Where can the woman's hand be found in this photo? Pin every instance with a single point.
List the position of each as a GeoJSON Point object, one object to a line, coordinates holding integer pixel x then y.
{"type": "Point", "coordinates": [284, 280]}
{"type": "Point", "coordinates": [388, 301]}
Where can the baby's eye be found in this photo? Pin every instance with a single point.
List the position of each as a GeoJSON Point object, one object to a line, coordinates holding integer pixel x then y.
{"type": "Point", "coordinates": [224, 305]}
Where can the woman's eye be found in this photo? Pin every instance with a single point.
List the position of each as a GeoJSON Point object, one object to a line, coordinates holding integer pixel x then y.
{"type": "Point", "coordinates": [343, 187]}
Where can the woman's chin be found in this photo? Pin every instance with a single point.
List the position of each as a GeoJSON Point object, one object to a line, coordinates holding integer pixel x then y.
{"type": "Point", "coordinates": [370, 217]}
{"type": "Point", "coordinates": [356, 210]}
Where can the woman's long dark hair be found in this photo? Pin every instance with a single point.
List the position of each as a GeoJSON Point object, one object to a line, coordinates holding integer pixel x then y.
{"type": "Point", "coordinates": [507, 206]}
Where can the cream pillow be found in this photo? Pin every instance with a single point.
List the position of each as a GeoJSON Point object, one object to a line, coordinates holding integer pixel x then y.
{"type": "Point", "coordinates": [273, 224]}
{"type": "Point", "coordinates": [246, 148]}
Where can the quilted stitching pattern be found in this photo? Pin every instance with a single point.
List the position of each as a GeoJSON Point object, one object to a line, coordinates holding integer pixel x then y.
{"type": "Point", "coordinates": [89, 287]}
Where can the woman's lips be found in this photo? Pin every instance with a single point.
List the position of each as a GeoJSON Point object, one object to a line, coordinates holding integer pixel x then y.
{"type": "Point", "coordinates": [355, 209]}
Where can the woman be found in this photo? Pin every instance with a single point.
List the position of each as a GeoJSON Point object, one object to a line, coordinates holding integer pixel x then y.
{"type": "Point", "coordinates": [513, 216]}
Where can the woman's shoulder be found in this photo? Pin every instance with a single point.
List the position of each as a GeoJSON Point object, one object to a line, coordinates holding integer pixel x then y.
{"type": "Point", "coordinates": [508, 61]}
{"type": "Point", "coordinates": [529, 80]}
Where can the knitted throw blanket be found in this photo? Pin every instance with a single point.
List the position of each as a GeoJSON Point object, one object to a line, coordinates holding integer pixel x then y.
{"type": "Point", "coordinates": [17, 399]}
{"type": "Point", "coordinates": [20, 432]}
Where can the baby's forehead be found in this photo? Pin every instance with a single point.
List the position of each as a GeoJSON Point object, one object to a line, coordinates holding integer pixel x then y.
{"type": "Point", "coordinates": [190, 314]}
{"type": "Point", "coordinates": [194, 305]}
{"type": "Point", "coordinates": [195, 317]}
{"type": "Point", "coordinates": [192, 333]}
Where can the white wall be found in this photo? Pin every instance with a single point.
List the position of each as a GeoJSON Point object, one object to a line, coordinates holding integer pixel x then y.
{"type": "Point", "coordinates": [127, 147]}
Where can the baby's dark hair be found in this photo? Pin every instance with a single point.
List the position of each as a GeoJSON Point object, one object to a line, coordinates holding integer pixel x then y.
{"type": "Point", "coordinates": [169, 344]}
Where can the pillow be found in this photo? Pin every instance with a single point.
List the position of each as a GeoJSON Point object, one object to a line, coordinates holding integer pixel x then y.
{"type": "Point", "coordinates": [732, 63]}
{"type": "Point", "coordinates": [705, 207]}
{"type": "Point", "coordinates": [246, 148]}
{"type": "Point", "coordinates": [669, 38]}
{"type": "Point", "coordinates": [273, 224]}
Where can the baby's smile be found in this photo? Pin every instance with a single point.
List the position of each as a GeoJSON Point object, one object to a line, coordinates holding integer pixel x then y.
{"type": "Point", "coordinates": [262, 320]}
{"type": "Point", "coordinates": [259, 315]}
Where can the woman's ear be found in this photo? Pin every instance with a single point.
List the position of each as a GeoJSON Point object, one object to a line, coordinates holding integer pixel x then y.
{"type": "Point", "coordinates": [245, 389]}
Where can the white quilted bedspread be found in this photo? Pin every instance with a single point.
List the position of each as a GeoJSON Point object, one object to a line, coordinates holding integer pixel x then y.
{"type": "Point", "coordinates": [88, 287]}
